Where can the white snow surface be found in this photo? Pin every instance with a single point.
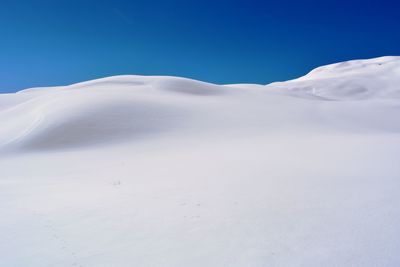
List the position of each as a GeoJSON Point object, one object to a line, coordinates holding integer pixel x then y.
{"type": "Point", "coordinates": [165, 171]}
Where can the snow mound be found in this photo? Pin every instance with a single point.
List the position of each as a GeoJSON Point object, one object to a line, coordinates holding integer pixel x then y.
{"type": "Point", "coordinates": [104, 111]}
{"type": "Point", "coordinates": [351, 80]}
{"type": "Point", "coordinates": [167, 83]}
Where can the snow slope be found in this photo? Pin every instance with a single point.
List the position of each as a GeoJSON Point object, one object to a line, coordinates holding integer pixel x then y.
{"type": "Point", "coordinates": [166, 171]}
{"type": "Point", "coordinates": [351, 80]}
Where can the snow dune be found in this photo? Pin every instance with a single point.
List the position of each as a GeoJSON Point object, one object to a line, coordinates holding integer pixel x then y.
{"type": "Point", "coordinates": [167, 171]}
{"type": "Point", "coordinates": [351, 80]}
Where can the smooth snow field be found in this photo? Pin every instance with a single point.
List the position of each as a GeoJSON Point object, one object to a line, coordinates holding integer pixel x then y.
{"type": "Point", "coordinates": [154, 171]}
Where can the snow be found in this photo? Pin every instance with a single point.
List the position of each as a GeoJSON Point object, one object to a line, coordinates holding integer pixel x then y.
{"type": "Point", "coordinates": [350, 80]}
{"type": "Point", "coordinates": [167, 171]}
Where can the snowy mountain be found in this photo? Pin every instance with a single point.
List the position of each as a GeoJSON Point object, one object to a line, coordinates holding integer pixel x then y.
{"type": "Point", "coordinates": [167, 171]}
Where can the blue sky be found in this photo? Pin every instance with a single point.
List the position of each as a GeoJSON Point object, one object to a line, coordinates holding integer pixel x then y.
{"type": "Point", "coordinates": [46, 43]}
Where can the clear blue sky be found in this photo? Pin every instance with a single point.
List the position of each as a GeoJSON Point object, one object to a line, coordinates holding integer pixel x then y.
{"type": "Point", "coordinates": [46, 43]}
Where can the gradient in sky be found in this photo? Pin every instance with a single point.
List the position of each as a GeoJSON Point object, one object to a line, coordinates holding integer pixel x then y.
{"type": "Point", "coordinates": [45, 43]}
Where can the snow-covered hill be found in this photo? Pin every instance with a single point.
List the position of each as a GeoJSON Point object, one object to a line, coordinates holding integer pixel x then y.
{"type": "Point", "coordinates": [350, 80]}
{"type": "Point", "coordinates": [166, 171]}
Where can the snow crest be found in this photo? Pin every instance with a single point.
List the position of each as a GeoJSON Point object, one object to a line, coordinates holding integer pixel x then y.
{"type": "Point", "coordinates": [351, 80]}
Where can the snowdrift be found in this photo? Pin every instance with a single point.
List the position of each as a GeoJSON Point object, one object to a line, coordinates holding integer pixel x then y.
{"type": "Point", "coordinates": [377, 78]}
{"type": "Point", "coordinates": [167, 171]}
